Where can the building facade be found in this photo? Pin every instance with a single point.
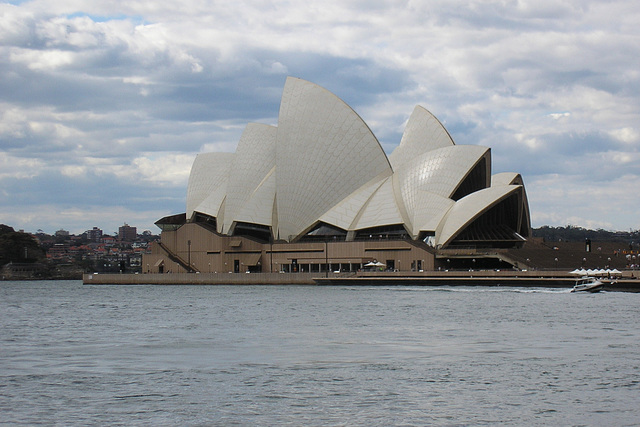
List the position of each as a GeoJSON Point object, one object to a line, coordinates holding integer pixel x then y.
{"type": "Point", "coordinates": [126, 233]}
{"type": "Point", "coordinates": [318, 192]}
{"type": "Point", "coordinates": [94, 235]}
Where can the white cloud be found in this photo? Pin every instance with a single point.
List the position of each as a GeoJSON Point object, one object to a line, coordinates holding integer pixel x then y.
{"type": "Point", "coordinates": [42, 60]}
{"type": "Point", "coordinates": [20, 168]}
{"type": "Point", "coordinates": [73, 171]}
{"type": "Point", "coordinates": [12, 124]}
{"type": "Point", "coordinates": [592, 205]}
{"type": "Point", "coordinates": [628, 135]}
{"type": "Point", "coordinates": [166, 169]}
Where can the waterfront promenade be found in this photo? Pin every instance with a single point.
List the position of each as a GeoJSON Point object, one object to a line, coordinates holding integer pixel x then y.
{"type": "Point", "coordinates": [545, 279]}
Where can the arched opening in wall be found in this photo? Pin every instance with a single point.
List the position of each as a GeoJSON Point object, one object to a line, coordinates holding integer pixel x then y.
{"type": "Point", "coordinates": [474, 181]}
{"type": "Point", "coordinates": [256, 231]}
{"type": "Point", "coordinates": [387, 232]}
{"type": "Point", "coordinates": [495, 228]}
{"type": "Point", "coordinates": [323, 232]}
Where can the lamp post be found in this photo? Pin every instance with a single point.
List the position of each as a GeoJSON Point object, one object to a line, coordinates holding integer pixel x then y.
{"type": "Point", "coordinates": [326, 258]}
{"type": "Point", "coordinates": [189, 256]}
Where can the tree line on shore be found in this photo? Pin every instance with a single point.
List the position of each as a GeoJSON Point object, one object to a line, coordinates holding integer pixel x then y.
{"type": "Point", "coordinates": [571, 233]}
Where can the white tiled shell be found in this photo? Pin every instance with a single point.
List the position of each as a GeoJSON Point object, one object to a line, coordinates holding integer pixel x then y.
{"type": "Point", "coordinates": [213, 205]}
{"type": "Point", "coordinates": [324, 153]}
{"type": "Point", "coordinates": [381, 209]}
{"type": "Point", "coordinates": [506, 178]}
{"type": "Point", "coordinates": [208, 183]}
{"type": "Point", "coordinates": [423, 133]}
{"type": "Point", "coordinates": [343, 215]}
{"type": "Point", "coordinates": [432, 209]}
{"type": "Point", "coordinates": [438, 172]}
{"type": "Point", "coordinates": [258, 208]}
{"type": "Point", "coordinates": [255, 158]}
{"type": "Point", "coordinates": [469, 208]}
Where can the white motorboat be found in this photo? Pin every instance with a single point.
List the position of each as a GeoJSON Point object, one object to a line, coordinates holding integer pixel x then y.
{"type": "Point", "coordinates": [588, 284]}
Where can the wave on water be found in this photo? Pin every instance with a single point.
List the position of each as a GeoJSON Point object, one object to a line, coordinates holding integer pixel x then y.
{"type": "Point", "coordinates": [461, 289]}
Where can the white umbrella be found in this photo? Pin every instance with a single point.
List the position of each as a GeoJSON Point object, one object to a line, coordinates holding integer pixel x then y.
{"type": "Point", "coordinates": [374, 264]}
{"type": "Point", "coordinates": [576, 271]}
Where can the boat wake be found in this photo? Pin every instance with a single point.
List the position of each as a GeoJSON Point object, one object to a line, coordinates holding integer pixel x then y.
{"type": "Point", "coordinates": [464, 289]}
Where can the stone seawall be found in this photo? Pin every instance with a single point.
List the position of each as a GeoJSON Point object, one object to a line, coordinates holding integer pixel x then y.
{"type": "Point", "coordinates": [546, 279]}
{"type": "Point", "coordinates": [201, 279]}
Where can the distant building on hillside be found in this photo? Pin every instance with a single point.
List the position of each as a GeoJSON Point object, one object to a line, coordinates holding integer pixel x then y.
{"type": "Point", "coordinates": [62, 233]}
{"type": "Point", "coordinates": [94, 235]}
{"type": "Point", "coordinates": [127, 233]}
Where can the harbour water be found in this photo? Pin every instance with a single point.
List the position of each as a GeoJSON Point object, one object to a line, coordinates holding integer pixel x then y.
{"type": "Point", "coordinates": [316, 355]}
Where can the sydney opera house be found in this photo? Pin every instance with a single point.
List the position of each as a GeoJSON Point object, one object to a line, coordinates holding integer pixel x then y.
{"type": "Point", "coordinates": [318, 193]}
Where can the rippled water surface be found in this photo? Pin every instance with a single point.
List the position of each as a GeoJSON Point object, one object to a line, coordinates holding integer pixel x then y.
{"type": "Point", "coordinates": [305, 355]}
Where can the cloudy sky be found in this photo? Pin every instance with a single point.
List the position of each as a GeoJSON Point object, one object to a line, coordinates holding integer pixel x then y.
{"type": "Point", "coordinates": [104, 104]}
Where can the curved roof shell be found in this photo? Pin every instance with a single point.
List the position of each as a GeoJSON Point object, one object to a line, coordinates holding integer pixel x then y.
{"type": "Point", "coordinates": [506, 178]}
{"type": "Point", "coordinates": [381, 209]}
{"type": "Point", "coordinates": [251, 186]}
{"type": "Point", "coordinates": [423, 132]}
{"type": "Point", "coordinates": [344, 214]}
{"type": "Point", "coordinates": [324, 153]}
{"type": "Point", "coordinates": [469, 208]}
{"type": "Point", "coordinates": [438, 172]}
{"type": "Point", "coordinates": [207, 185]}
{"type": "Point", "coordinates": [323, 165]}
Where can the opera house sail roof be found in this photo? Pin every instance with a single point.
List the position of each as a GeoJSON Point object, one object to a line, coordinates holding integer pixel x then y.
{"type": "Point", "coordinates": [321, 173]}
